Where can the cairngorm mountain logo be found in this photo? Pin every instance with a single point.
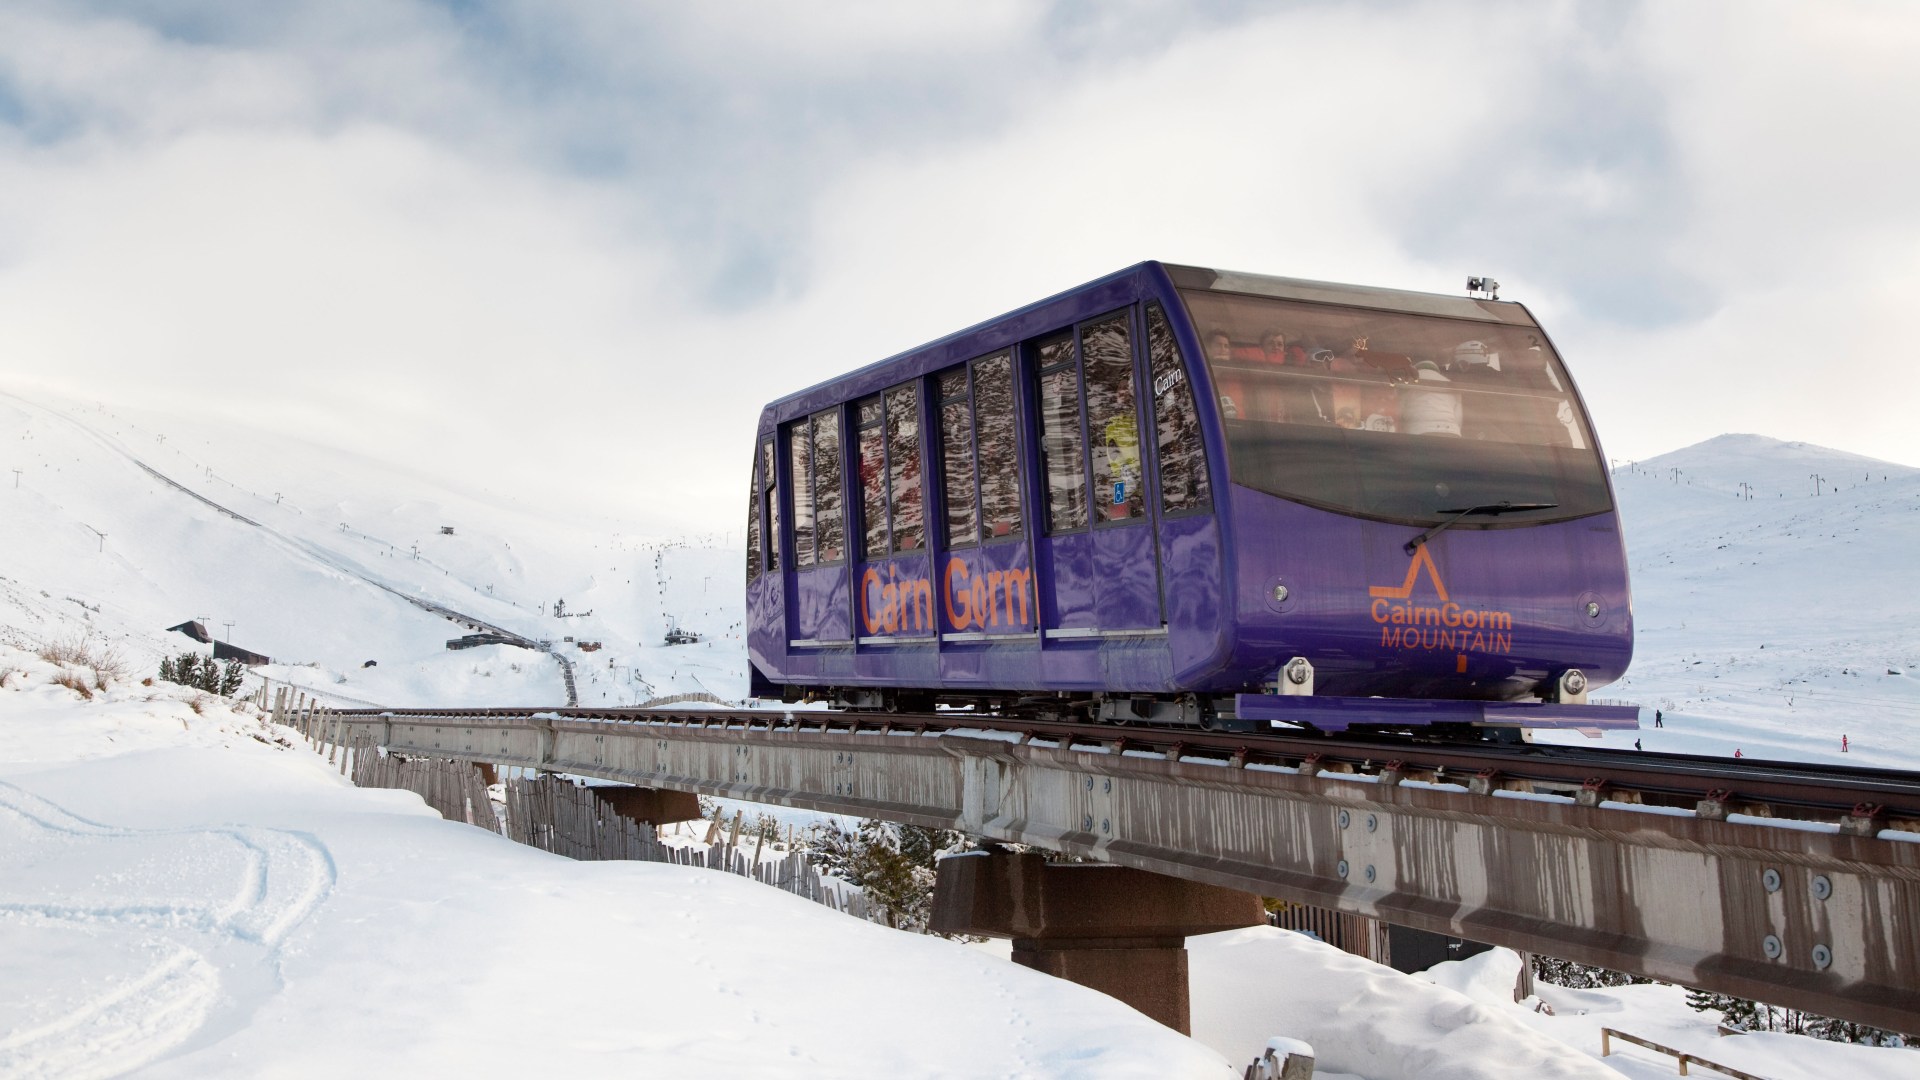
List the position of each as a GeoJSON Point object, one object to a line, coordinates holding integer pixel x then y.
{"type": "Point", "coordinates": [1443, 625]}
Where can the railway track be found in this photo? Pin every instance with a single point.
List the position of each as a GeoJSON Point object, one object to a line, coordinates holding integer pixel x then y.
{"type": "Point", "coordinates": [1784, 882]}
{"type": "Point", "coordinates": [1860, 801]}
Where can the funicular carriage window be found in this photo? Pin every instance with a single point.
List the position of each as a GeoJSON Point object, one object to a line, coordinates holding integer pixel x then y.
{"type": "Point", "coordinates": [753, 520]}
{"type": "Point", "coordinates": [772, 504]}
{"type": "Point", "coordinates": [829, 520]}
{"type": "Point", "coordinates": [1112, 420]}
{"type": "Point", "coordinates": [799, 469]}
{"type": "Point", "coordinates": [903, 469]}
{"type": "Point", "coordinates": [1060, 443]}
{"type": "Point", "coordinates": [1183, 460]}
{"type": "Point", "coordinates": [956, 459]}
{"type": "Point", "coordinates": [872, 447]}
{"type": "Point", "coordinates": [1397, 415]}
{"type": "Point", "coordinates": [996, 436]}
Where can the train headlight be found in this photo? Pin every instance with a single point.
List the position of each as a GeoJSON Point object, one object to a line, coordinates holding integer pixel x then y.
{"type": "Point", "coordinates": [1593, 609]}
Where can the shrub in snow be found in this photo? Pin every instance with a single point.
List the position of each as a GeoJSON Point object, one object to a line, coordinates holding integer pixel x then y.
{"type": "Point", "coordinates": [204, 673]}
{"type": "Point", "coordinates": [889, 862]}
{"type": "Point", "coordinates": [105, 661]}
{"type": "Point", "coordinates": [1758, 1016]}
{"type": "Point", "coordinates": [1575, 976]}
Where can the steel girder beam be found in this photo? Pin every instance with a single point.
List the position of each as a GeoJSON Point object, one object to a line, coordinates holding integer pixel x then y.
{"type": "Point", "coordinates": [1802, 917]}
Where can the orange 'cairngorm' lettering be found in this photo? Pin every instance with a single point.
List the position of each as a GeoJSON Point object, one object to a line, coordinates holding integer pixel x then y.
{"type": "Point", "coordinates": [962, 618]}
{"type": "Point", "coordinates": [869, 584]}
{"type": "Point", "coordinates": [993, 598]}
{"type": "Point", "coordinates": [894, 603]}
{"type": "Point", "coordinates": [1017, 579]}
{"type": "Point", "coordinates": [1447, 626]}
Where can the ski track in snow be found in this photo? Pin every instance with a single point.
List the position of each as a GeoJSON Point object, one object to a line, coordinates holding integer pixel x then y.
{"type": "Point", "coordinates": [189, 920]}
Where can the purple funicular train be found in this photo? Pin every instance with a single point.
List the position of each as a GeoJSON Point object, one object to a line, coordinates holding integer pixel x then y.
{"type": "Point", "coordinates": [1187, 496]}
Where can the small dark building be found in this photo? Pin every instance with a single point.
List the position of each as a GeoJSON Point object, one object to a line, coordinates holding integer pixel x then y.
{"type": "Point", "coordinates": [224, 651]}
{"type": "Point", "coordinates": [1417, 950]}
{"type": "Point", "coordinates": [472, 640]}
{"type": "Point", "coordinates": [193, 630]}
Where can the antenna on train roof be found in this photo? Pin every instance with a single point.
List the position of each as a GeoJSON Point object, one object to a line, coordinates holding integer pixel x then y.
{"type": "Point", "coordinates": [1478, 285]}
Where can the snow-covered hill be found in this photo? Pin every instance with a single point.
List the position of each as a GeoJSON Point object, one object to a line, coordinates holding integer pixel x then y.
{"type": "Point", "coordinates": [1770, 579]}
{"type": "Point", "coordinates": [123, 523]}
{"type": "Point", "coordinates": [1771, 618]}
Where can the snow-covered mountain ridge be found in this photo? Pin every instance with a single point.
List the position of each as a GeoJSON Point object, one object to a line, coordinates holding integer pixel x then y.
{"type": "Point", "coordinates": [1768, 577]}
{"type": "Point", "coordinates": [1779, 614]}
{"type": "Point", "coordinates": [122, 523]}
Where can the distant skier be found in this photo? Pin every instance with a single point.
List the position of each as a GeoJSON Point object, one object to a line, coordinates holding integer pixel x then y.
{"type": "Point", "coordinates": [1843, 744]}
{"type": "Point", "coordinates": [1636, 744]}
{"type": "Point", "coordinates": [1736, 752]}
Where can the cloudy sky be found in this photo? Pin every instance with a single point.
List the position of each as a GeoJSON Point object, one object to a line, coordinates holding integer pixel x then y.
{"type": "Point", "coordinates": [568, 248]}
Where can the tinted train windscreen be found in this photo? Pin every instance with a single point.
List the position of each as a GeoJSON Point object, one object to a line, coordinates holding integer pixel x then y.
{"type": "Point", "coordinates": [1394, 416]}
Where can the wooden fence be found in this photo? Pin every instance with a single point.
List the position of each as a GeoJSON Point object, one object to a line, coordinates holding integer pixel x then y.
{"type": "Point", "coordinates": [1356, 934]}
{"type": "Point", "coordinates": [676, 699]}
{"type": "Point", "coordinates": [546, 812]}
{"type": "Point", "coordinates": [1607, 1035]}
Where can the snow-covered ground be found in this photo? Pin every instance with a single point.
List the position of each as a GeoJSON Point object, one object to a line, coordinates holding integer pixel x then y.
{"type": "Point", "coordinates": [331, 543]}
{"type": "Point", "coordinates": [1770, 619]}
{"type": "Point", "coordinates": [183, 894]}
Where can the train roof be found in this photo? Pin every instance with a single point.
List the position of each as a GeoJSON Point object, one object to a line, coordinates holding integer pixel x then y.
{"type": "Point", "coordinates": [1366, 296]}
{"type": "Point", "coordinates": [933, 354]}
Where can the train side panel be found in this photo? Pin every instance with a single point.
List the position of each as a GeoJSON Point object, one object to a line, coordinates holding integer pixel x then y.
{"type": "Point", "coordinates": [1141, 608]}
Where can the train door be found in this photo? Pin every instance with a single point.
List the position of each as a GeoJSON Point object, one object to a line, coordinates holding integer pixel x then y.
{"type": "Point", "coordinates": [1099, 563]}
{"type": "Point", "coordinates": [984, 577]}
{"type": "Point", "coordinates": [893, 600]}
{"type": "Point", "coordinates": [818, 599]}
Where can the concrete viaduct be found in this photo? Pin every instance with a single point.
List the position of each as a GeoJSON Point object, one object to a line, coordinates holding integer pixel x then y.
{"type": "Point", "coordinates": [1823, 917]}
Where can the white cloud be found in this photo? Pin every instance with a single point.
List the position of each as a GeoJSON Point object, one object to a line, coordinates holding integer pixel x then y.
{"type": "Point", "coordinates": [500, 246]}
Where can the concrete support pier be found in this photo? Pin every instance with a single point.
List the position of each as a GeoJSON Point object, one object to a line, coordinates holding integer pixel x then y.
{"type": "Point", "coordinates": [651, 806]}
{"type": "Point", "coordinates": [1114, 929]}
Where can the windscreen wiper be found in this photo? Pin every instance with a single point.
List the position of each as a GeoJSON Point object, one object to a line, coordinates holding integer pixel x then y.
{"type": "Point", "coordinates": [1485, 508]}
